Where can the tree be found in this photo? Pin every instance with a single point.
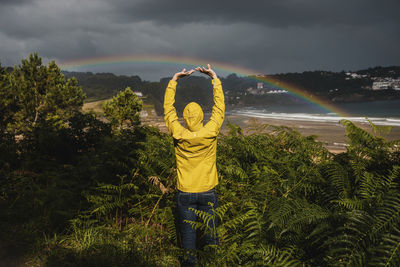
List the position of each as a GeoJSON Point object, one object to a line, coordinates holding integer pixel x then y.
{"type": "Point", "coordinates": [7, 103]}
{"type": "Point", "coordinates": [41, 93]}
{"type": "Point", "coordinates": [123, 109]}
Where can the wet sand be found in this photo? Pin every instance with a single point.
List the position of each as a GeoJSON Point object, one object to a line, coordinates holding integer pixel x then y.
{"type": "Point", "coordinates": [330, 133]}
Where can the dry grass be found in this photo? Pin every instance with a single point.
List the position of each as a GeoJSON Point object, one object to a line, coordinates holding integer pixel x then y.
{"type": "Point", "coordinates": [94, 106]}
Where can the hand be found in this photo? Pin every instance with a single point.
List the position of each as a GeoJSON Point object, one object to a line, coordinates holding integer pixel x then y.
{"type": "Point", "coordinates": [208, 71]}
{"type": "Point", "coordinates": [181, 74]}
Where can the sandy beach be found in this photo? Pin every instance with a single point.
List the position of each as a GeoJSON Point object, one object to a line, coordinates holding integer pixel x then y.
{"type": "Point", "coordinates": [332, 135]}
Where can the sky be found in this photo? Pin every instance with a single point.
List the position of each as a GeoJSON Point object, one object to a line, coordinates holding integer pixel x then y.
{"type": "Point", "coordinates": [265, 37]}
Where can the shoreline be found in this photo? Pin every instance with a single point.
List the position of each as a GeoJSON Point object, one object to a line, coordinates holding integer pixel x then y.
{"type": "Point", "coordinates": [331, 134]}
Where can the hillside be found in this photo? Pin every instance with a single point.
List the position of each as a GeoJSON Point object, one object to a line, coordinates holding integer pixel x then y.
{"type": "Point", "coordinates": [351, 86]}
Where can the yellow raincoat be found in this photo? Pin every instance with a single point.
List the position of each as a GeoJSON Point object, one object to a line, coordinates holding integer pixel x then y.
{"type": "Point", "coordinates": [196, 145]}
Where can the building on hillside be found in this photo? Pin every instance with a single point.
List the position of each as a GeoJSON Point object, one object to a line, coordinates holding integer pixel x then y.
{"type": "Point", "coordinates": [256, 91]}
{"type": "Point", "coordinates": [386, 83]}
{"type": "Point", "coordinates": [380, 85]}
{"type": "Point", "coordinates": [353, 75]}
{"type": "Point", "coordinates": [252, 91]}
{"type": "Point", "coordinates": [277, 92]}
{"type": "Point", "coordinates": [395, 84]}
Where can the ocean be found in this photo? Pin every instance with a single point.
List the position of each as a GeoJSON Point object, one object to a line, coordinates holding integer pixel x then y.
{"type": "Point", "coordinates": [379, 112]}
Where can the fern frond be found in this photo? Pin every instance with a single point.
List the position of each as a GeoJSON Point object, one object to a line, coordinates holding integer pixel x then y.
{"type": "Point", "coordinates": [221, 210]}
{"type": "Point", "coordinates": [271, 256]}
{"type": "Point", "coordinates": [379, 129]}
{"type": "Point", "coordinates": [235, 171]}
{"type": "Point", "coordinates": [369, 186]}
{"type": "Point", "coordinates": [196, 225]}
{"type": "Point", "coordinates": [388, 215]}
{"type": "Point", "coordinates": [239, 220]}
{"type": "Point", "coordinates": [338, 178]}
{"type": "Point", "coordinates": [170, 224]}
{"type": "Point", "coordinates": [357, 135]}
{"type": "Point", "coordinates": [293, 215]}
{"type": "Point", "coordinates": [387, 253]}
{"type": "Point", "coordinates": [254, 228]}
{"type": "Point", "coordinates": [350, 246]}
{"type": "Point", "coordinates": [351, 203]}
{"type": "Point", "coordinates": [390, 182]}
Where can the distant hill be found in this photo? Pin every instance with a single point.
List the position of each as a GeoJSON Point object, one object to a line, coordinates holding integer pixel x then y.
{"type": "Point", "coordinates": [99, 86]}
{"type": "Point", "coordinates": [344, 86]}
{"type": "Point", "coordinates": [350, 86]}
{"type": "Point", "coordinates": [103, 85]}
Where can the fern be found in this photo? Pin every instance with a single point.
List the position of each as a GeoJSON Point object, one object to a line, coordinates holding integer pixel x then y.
{"type": "Point", "coordinates": [357, 136]}
{"type": "Point", "coordinates": [255, 226]}
{"type": "Point", "coordinates": [272, 256]}
{"type": "Point", "coordinates": [208, 221]}
{"type": "Point", "coordinates": [351, 203]}
{"type": "Point", "coordinates": [294, 215]}
{"type": "Point", "coordinates": [388, 214]}
{"type": "Point", "coordinates": [349, 247]}
{"type": "Point", "coordinates": [171, 225]}
{"type": "Point", "coordinates": [385, 129]}
{"type": "Point", "coordinates": [387, 253]}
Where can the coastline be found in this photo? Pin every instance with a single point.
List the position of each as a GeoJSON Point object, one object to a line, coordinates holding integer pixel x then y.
{"type": "Point", "coordinates": [331, 134]}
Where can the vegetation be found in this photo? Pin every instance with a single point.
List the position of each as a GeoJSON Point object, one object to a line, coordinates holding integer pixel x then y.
{"type": "Point", "coordinates": [123, 109]}
{"type": "Point", "coordinates": [77, 191]}
{"type": "Point", "coordinates": [331, 86]}
{"type": "Point", "coordinates": [103, 85]}
{"type": "Point", "coordinates": [340, 87]}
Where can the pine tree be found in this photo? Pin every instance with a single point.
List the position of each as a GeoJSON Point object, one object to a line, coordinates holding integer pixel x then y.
{"type": "Point", "coordinates": [123, 109]}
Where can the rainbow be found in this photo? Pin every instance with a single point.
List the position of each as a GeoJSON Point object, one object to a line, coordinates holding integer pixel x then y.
{"type": "Point", "coordinates": [229, 68]}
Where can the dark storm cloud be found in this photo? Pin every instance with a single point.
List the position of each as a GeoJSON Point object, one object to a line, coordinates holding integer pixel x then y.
{"type": "Point", "coordinates": [267, 36]}
{"type": "Point", "coordinates": [14, 2]}
{"type": "Point", "coordinates": [271, 13]}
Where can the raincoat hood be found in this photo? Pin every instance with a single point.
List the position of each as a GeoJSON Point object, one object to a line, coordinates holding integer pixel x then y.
{"type": "Point", "coordinates": [193, 116]}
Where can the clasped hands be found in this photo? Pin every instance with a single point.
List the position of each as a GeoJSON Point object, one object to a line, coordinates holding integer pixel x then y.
{"type": "Point", "coordinates": [184, 73]}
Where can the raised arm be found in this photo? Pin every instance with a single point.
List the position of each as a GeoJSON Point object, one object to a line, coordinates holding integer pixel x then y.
{"type": "Point", "coordinates": [170, 116]}
{"type": "Point", "coordinates": [218, 110]}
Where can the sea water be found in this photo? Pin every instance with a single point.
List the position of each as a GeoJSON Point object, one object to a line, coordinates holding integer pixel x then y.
{"type": "Point", "coordinates": [379, 112]}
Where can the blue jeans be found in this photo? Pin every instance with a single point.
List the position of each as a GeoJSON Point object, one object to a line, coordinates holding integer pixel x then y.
{"type": "Point", "coordinates": [198, 201]}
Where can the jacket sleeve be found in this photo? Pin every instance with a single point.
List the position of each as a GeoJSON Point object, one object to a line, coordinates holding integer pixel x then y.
{"type": "Point", "coordinates": [170, 116]}
{"type": "Point", "coordinates": [218, 110]}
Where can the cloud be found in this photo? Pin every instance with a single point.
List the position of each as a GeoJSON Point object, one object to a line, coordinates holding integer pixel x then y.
{"type": "Point", "coordinates": [282, 13]}
{"type": "Point", "coordinates": [267, 36]}
{"type": "Point", "coordinates": [15, 2]}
